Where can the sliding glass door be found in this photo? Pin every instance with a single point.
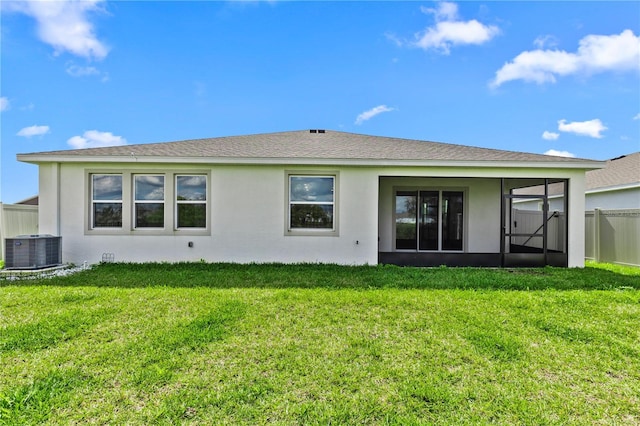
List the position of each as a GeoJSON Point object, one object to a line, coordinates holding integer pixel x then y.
{"type": "Point", "coordinates": [429, 202]}
{"type": "Point", "coordinates": [452, 220]}
{"type": "Point", "coordinates": [429, 220]}
{"type": "Point", "coordinates": [406, 232]}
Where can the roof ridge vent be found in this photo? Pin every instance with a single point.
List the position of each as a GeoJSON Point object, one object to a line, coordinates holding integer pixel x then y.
{"type": "Point", "coordinates": [316, 131]}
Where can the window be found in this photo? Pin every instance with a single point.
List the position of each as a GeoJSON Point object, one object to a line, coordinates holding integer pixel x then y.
{"type": "Point", "coordinates": [429, 220]}
{"type": "Point", "coordinates": [106, 201]}
{"type": "Point", "coordinates": [149, 201]}
{"type": "Point", "coordinates": [311, 203]}
{"type": "Point", "coordinates": [191, 201]}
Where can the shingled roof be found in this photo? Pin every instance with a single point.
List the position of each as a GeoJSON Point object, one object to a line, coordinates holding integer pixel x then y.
{"type": "Point", "coordinates": [303, 145]}
{"type": "Point", "coordinates": [624, 170]}
{"type": "Point", "coordinates": [618, 173]}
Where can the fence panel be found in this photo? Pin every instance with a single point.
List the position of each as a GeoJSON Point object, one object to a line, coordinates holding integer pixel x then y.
{"type": "Point", "coordinates": [17, 219]}
{"type": "Point", "coordinates": [589, 235]}
{"type": "Point", "coordinates": [530, 221]}
{"type": "Point", "coordinates": [613, 236]}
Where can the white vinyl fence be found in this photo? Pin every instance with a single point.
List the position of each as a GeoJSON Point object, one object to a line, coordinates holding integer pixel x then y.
{"type": "Point", "coordinates": [613, 236]}
{"type": "Point", "coordinates": [531, 222]}
{"type": "Point", "coordinates": [17, 219]}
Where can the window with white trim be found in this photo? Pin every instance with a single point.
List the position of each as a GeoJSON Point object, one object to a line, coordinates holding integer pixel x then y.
{"type": "Point", "coordinates": [311, 203]}
{"type": "Point", "coordinates": [148, 195]}
{"type": "Point", "coordinates": [106, 201]}
{"type": "Point", "coordinates": [191, 201]}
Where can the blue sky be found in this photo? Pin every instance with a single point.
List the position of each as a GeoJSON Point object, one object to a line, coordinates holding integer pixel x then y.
{"type": "Point", "coordinates": [544, 77]}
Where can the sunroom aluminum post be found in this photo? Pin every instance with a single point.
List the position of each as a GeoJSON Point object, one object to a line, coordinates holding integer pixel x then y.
{"type": "Point", "coordinates": [502, 222]}
{"type": "Point", "coordinates": [545, 214]}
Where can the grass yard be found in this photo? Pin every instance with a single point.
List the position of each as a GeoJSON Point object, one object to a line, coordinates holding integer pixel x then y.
{"type": "Point", "coordinates": [314, 344]}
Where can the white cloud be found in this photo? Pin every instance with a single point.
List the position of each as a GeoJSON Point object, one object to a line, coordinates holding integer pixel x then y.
{"type": "Point", "coordinates": [65, 25]}
{"type": "Point", "coordinates": [4, 103]}
{"type": "Point", "coordinates": [637, 116]}
{"type": "Point", "coordinates": [446, 11]}
{"type": "Point", "coordinates": [96, 139]}
{"type": "Point", "coordinates": [367, 115]}
{"type": "Point", "coordinates": [78, 71]}
{"type": "Point", "coordinates": [27, 132]}
{"type": "Point", "coordinates": [545, 41]}
{"type": "Point", "coordinates": [86, 71]}
{"type": "Point", "coordinates": [591, 128]}
{"type": "Point", "coordinates": [550, 136]}
{"type": "Point", "coordinates": [560, 153]}
{"type": "Point", "coordinates": [596, 53]}
{"type": "Point", "coordinates": [449, 31]}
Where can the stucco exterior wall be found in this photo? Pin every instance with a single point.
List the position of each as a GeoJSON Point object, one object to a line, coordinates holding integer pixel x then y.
{"type": "Point", "coordinates": [248, 208]}
{"type": "Point", "coordinates": [49, 197]}
{"type": "Point", "coordinates": [606, 200]}
{"type": "Point", "coordinates": [247, 219]}
{"type": "Point", "coordinates": [621, 199]}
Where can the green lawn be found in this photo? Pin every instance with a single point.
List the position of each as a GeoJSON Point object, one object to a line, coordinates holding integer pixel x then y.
{"type": "Point", "coordinates": [313, 344]}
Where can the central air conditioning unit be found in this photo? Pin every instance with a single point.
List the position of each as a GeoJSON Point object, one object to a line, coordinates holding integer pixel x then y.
{"type": "Point", "coordinates": [33, 251]}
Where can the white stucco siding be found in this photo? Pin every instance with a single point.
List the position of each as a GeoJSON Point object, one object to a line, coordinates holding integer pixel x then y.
{"type": "Point", "coordinates": [576, 219]}
{"type": "Point", "coordinates": [605, 200]}
{"type": "Point", "coordinates": [609, 200]}
{"type": "Point", "coordinates": [247, 214]}
{"type": "Point", "coordinates": [48, 199]}
{"type": "Point", "coordinates": [250, 212]}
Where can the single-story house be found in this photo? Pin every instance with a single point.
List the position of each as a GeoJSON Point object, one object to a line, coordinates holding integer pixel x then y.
{"type": "Point", "coordinates": [616, 186]}
{"type": "Point", "coordinates": [305, 196]}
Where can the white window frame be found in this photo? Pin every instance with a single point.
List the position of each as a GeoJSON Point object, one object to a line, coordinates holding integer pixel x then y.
{"type": "Point", "coordinates": [134, 217]}
{"type": "Point", "coordinates": [177, 202]}
{"type": "Point", "coordinates": [333, 231]}
{"type": "Point", "coordinates": [92, 218]}
{"type": "Point", "coordinates": [128, 201]}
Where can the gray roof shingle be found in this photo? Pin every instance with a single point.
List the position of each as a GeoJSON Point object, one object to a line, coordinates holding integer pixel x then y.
{"type": "Point", "coordinates": [306, 145]}
{"type": "Point", "coordinates": [623, 170]}
{"type": "Point", "coordinates": [617, 171]}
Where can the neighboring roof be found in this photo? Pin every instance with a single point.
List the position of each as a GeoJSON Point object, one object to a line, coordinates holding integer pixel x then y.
{"type": "Point", "coordinates": [31, 201]}
{"type": "Point", "coordinates": [304, 147]}
{"type": "Point", "coordinates": [617, 172]}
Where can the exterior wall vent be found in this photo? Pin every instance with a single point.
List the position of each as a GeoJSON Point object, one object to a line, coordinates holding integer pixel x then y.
{"type": "Point", "coordinates": [33, 251]}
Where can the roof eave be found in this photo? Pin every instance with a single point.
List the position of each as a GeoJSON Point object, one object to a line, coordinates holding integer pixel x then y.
{"type": "Point", "coordinates": [48, 158]}
{"type": "Point", "coordinates": [620, 187]}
